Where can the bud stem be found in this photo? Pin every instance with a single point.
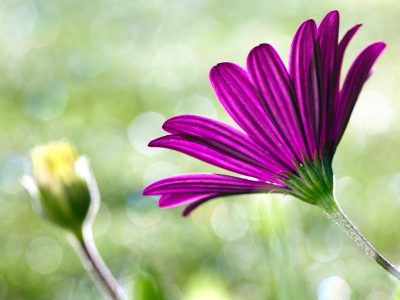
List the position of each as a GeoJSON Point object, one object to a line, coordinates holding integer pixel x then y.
{"type": "Point", "coordinates": [96, 267]}
{"type": "Point", "coordinates": [332, 208]}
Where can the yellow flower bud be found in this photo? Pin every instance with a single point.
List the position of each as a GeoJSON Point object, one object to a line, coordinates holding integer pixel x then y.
{"type": "Point", "coordinates": [60, 184]}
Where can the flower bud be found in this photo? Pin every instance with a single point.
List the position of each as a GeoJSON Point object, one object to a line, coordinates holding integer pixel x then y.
{"type": "Point", "coordinates": [60, 184]}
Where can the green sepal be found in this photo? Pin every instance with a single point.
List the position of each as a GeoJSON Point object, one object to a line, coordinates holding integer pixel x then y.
{"type": "Point", "coordinates": [303, 172]}
{"type": "Point", "coordinates": [67, 208]}
{"type": "Point", "coordinates": [318, 165]}
{"type": "Point", "coordinates": [316, 178]}
{"type": "Point", "coordinates": [314, 181]}
{"type": "Point", "coordinates": [298, 196]}
{"type": "Point", "coordinates": [296, 184]}
{"type": "Point", "coordinates": [327, 168]}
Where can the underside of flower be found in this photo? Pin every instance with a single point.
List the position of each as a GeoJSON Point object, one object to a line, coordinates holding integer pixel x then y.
{"type": "Point", "coordinates": [314, 181]}
{"type": "Point", "coordinates": [293, 120]}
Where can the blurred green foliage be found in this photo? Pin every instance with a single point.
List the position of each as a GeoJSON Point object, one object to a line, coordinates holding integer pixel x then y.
{"type": "Point", "coordinates": [106, 74]}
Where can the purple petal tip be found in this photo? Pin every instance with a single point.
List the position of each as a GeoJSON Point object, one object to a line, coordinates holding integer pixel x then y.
{"type": "Point", "coordinates": [380, 44]}
{"type": "Point", "coordinates": [151, 144]}
{"type": "Point", "coordinates": [185, 213]}
{"type": "Point", "coordinates": [146, 191]}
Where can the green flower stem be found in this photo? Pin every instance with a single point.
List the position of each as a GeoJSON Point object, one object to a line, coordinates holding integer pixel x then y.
{"type": "Point", "coordinates": [95, 266]}
{"type": "Point", "coordinates": [332, 208]}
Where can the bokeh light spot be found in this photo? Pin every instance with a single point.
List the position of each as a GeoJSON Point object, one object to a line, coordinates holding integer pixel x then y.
{"type": "Point", "coordinates": [120, 30]}
{"type": "Point", "coordinates": [196, 105]}
{"type": "Point", "coordinates": [324, 245]}
{"type": "Point", "coordinates": [228, 221]}
{"type": "Point", "coordinates": [353, 142]}
{"type": "Point", "coordinates": [333, 288]}
{"type": "Point", "coordinates": [122, 230]}
{"type": "Point", "coordinates": [89, 55]}
{"type": "Point", "coordinates": [178, 60]}
{"type": "Point", "coordinates": [143, 210]}
{"type": "Point", "coordinates": [12, 168]}
{"type": "Point", "coordinates": [372, 113]}
{"type": "Point", "coordinates": [143, 129]}
{"type": "Point", "coordinates": [168, 80]}
{"type": "Point", "coordinates": [159, 171]}
{"type": "Point", "coordinates": [46, 97]}
{"type": "Point", "coordinates": [163, 98]}
{"type": "Point", "coordinates": [44, 255]}
{"type": "Point", "coordinates": [37, 23]}
{"type": "Point", "coordinates": [25, 19]}
{"type": "Point", "coordinates": [208, 41]}
{"type": "Point", "coordinates": [241, 253]}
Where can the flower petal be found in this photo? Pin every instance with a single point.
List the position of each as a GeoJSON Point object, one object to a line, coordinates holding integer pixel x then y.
{"type": "Point", "coordinates": [199, 188]}
{"type": "Point", "coordinates": [225, 139]}
{"type": "Point", "coordinates": [328, 32]}
{"type": "Point", "coordinates": [342, 48]}
{"type": "Point", "coordinates": [277, 95]}
{"type": "Point", "coordinates": [206, 184]}
{"type": "Point", "coordinates": [355, 79]}
{"type": "Point", "coordinates": [237, 95]}
{"type": "Point", "coordinates": [305, 70]}
{"type": "Point", "coordinates": [195, 204]}
{"type": "Point", "coordinates": [171, 200]}
{"type": "Point", "coordinates": [215, 153]}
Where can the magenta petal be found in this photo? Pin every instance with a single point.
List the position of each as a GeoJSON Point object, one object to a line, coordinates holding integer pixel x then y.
{"type": "Point", "coordinates": [278, 97]}
{"type": "Point", "coordinates": [171, 200]}
{"type": "Point", "coordinates": [207, 183]}
{"type": "Point", "coordinates": [237, 95]}
{"type": "Point", "coordinates": [341, 50]}
{"type": "Point", "coordinates": [355, 79]}
{"type": "Point", "coordinates": [328, 33]}
{"type": "Point", "coordinates": [221, 156]}
{"type": "Point", "coordinates": [224, 139]}
{"type": "Point", "coordinates": [192, 206]}
{"type": "Point", "coordinates": [305, 70]}
{"type": "Point", "coordinates": [199, 188]}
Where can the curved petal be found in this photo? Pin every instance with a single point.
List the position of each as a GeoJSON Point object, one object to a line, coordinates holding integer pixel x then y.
{"type": "Point", "coordinates": [208, 183]}
{"type": "Point", "coordinates": [355, 79]}
{"type": "Point", "coordinates": [305, 71]}
{"type": "Point", "coordinates": [195, 204]}
{"type": "Point", "coordinates": [278, 97]}
{"type": "Point", "coordinates": [194, 200]}
{"type": "Point", "coordinates": [199, 188]}
{"type": "Point", "coordinates": [340, 54]}
{"type": "Point", "coordinates": [225, 139]}
{"type": "Point", "coordinates": [342, 48]}
{"type": "Point", "coordinates": [236, 93]}
{"type": "Point", "coordinates": [328, 32]}
{"type": "Point", "coordinates": [215, 153]}
{"type": "Point", "coordinates": [171, 200]}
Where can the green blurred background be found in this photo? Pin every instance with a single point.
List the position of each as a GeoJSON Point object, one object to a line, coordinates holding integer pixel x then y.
{"type": "Point", "coordinates": [107, 74]}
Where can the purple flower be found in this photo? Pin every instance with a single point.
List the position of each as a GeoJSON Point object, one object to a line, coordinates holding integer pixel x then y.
{"type": "Point", "coordinates": [293, 122]}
